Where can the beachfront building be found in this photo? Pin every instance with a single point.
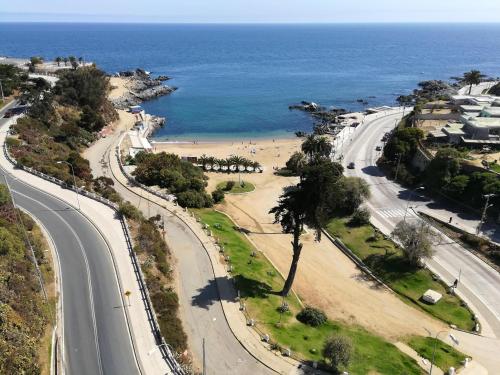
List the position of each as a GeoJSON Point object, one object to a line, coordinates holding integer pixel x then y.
{"type": "Point", "coordinates": [478, 124]}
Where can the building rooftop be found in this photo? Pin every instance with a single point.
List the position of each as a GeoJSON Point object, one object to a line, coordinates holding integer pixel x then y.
{"type": "Point", "coordinates": [482, 122]}
{"type": "Point", "coordinates": [491, 112]}
{"type": "Point", "coordinates": [471, 108]}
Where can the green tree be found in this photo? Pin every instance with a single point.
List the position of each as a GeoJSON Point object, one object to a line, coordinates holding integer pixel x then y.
{"type": "Point", "coordinates": [457, 186]}
{"type": "Point", "coordinates": [316, 146]}
{"type": "Point", "coordinates": [353, 191]}
{"type": "Point", "coordinates": [443, 167]}
{"type": "Point", "coordinates": [403, 143]}
{"type": "Point", "coordinates": [311, 203]}
{"type": "Point", "coordinates": [296, 163]}
{"type": "Point", "coordinates": [338, 351]}
{"type": "Point", "coordinates": [91, 120]}
{"type": "Point", "coordinates": [58, 60]}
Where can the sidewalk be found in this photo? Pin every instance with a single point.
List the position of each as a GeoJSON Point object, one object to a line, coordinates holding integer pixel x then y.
{"type": "Point", "coordinates": [247, 336]}
{"type": "Point", "coordinates": [101, 216]}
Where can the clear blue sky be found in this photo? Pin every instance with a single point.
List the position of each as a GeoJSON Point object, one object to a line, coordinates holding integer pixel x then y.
{"type": "Point", "coordinates": [251, 10]}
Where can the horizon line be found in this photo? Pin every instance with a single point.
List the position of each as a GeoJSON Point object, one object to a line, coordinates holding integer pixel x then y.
{"type": "Point", "coordinates": [252, 22]}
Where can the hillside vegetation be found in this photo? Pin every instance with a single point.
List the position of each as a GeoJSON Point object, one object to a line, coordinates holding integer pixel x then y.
{"type": "Point", "coordinates": [24, 314]}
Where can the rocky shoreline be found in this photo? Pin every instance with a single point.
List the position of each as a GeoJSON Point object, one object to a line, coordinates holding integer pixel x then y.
{"type": "Point", "coordinates": [141, 87]}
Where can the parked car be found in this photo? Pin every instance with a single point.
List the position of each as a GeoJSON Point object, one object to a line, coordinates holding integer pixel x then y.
{"type": "Point", "coordinates": [351, 165]}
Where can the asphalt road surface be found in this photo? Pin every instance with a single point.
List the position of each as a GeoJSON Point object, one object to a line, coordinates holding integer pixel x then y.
{"type": "Point", "coordinates": [96, 337]}
{"type": "Point", "coordinates": [479, 283]}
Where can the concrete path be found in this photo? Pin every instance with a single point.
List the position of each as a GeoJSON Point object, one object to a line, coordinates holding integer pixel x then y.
{"type": "Point", "coordinates": [425, 363]}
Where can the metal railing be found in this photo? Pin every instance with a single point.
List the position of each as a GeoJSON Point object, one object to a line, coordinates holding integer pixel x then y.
{"type": "Point", "coordinates": [165, 349]}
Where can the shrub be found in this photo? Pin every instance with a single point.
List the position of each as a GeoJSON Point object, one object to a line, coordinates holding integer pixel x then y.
{"type": "Point", "coordinates": [218, 195]}
{"type": "Point", "coordinates": [360, 217]}
{"type": "Point", "coordinates": [128, 210]}
{"type": "Point", "coordinates": [229, 185]}
{"type": "Point", "coordinates": [194, 199]}
{"type": "Point", "coordinates": [338, 350]}
{"type": "Point", "coordinates": [312, 316]}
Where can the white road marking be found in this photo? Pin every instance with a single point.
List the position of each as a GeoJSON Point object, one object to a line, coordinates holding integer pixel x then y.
{"type": "Point", "coordinates": [394, 212]}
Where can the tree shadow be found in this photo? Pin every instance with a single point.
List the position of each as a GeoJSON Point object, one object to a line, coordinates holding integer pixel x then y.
{"type": "Point", "coordinates": [373, 170]}
{"type": "Point", "coordinates": [225, 289]}
{"type": "Point", "coordinates": [252, 288]}
{"type": "Point", "coordinates": [389, 267]}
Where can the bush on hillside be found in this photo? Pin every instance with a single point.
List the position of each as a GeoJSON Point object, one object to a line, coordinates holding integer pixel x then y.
{"type": "Point", "coordinates": [194, 199]}
{"type": "Point", "coordinates": [312, 316]}
{"type": "Point", "coordinates": [218, 195]}
{"type": "Point", "coordinates": [360, 217]}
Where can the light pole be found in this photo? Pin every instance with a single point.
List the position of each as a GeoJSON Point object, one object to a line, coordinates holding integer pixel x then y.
{"type": "Point", "coordinates": [483, 216]}
{"type": "Point", "coordinates": [74, 180]}
{"type": "Point", "coordinates": [453, 338]}
{"type": "Point", "coordinates": [409, 198]}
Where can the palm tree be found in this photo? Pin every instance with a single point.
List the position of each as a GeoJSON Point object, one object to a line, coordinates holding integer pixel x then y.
{"type": "Point", "coordinates": [65, 59]}
{"type": "Point", "coordinates": [58, 60]}
{"type": "Point", "coordinates": [316, 146]}
{"type": "Point", "coordinates": [80, 60]}
{"type": "Point", "coordinates": [310, 203]}
{"type": "Point", "coordinates": [472, 78]}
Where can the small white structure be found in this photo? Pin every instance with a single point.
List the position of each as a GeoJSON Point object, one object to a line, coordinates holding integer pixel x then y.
{"type": "Point", "coordinates": [431, 296]}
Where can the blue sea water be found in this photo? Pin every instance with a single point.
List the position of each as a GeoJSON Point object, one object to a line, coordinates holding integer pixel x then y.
{"type": "Point", "coordinates": [238, 80]}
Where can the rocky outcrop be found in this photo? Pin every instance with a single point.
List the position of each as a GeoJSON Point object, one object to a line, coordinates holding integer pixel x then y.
{"type": "Point", "coordinates": [141, 88]}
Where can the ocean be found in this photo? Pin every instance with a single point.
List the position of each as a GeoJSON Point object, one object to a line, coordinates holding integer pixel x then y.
{"type": "Point", "coordinates": [237, 81]}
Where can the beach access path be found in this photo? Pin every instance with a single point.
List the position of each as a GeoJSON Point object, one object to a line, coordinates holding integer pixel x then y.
{"type": "Point", "coordinates": [208, 304]}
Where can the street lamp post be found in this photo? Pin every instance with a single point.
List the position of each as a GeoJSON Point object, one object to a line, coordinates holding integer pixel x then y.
{"type": "Point", "coordinates": [74, 180]}
{"type": "Point", "coordinates": [483, 216]}
{"type": "Point", "coordinates": [453, 338]}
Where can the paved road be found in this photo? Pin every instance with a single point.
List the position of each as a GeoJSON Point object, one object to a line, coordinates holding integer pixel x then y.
{"type": "Point", "coordinates": [95, 332]}
{"type": "Point", "coordinates": [479, 283]}
{"type": "Point", "coordinates": [201, 309]}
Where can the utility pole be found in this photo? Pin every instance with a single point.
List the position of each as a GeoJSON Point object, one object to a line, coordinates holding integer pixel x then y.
{"type": "Point", "coordinates": [483, 216]}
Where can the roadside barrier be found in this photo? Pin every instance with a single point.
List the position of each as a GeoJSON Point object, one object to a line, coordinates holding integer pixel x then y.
{"type": "Point", "coordinates": [165, 349]}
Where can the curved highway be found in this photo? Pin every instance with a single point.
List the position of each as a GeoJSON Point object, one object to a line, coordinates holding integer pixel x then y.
{"type": "Point", "coordinates": [479, 283]}
{"type": "Point", "coordinates": [95, 332]}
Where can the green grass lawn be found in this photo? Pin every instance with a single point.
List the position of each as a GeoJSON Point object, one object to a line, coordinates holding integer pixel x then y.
{"type": "Point", "coordinates": [446, 355]}
{"type": "Point", "coordinates": [258, 281]}
{"type": "Point", "coordinates": [245, 187]}
{"type": "Point", "coordinates": [385, 260]}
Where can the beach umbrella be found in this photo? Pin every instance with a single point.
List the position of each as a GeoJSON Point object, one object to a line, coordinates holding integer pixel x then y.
{"type": "Point", "coordinates": [250, 168]}
{"type": "Point", "coordinates": [241, 168]}
{"type": "Point", "coordinates": [215, 167]}
{"type": "Point", "coordinates": [207, 167]}
{"type": "Point", "coordinates": [233, 168]}
{"type": "Point", "coordinates": [224, 168]}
